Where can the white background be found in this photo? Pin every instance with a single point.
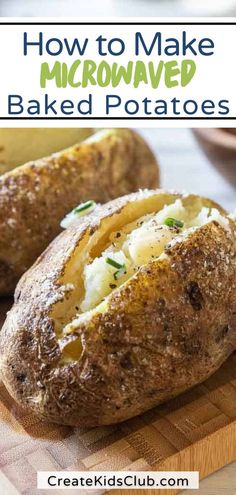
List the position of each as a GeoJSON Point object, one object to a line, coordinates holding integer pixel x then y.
{"type": "Point", "coordinates": [157, 476]}
{"type": "Point", "coordinates": [214, 78]}
{"type": "Point", "coordinates": [117, 7]}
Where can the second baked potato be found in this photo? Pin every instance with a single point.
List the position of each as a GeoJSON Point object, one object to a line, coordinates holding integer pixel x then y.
{"type": "Point", "coordinates": [124, 310]}
{"type": "Point", "coordinates": [35, 197]}
{"type": "Point", "coordinates": [18, 146]}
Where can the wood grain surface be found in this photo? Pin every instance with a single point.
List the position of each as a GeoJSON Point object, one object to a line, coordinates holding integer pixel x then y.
{"type": "Point", "coordinates": [196, 431]}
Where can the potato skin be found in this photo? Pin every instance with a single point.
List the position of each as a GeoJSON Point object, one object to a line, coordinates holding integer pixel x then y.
{"type": "Point", "coordinates": [167, 329]}
{"type": "Point", "coordinates": [18, 146]}
{"type": "Point", "coordinates": [35, 197]}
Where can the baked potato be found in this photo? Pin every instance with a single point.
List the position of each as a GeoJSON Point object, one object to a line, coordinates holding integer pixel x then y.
{"type": "Point", "coordinates": [127, 308]}
{"type": "Point", "coordinates": [36, 196]}
{"type": "Point", "coordinates": [18, 146]}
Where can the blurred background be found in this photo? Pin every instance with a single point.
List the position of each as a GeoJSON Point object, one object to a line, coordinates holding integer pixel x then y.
{"type": "Point", "coordinates": [104, 8]}
{"type": "Point", "coordinates": [185, 166]}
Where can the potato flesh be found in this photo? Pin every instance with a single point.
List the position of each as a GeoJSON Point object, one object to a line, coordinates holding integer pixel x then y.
{"type": "Point", "coordinates": [99, 278]}
{"type": "Point", "coordinates": [135, 245]}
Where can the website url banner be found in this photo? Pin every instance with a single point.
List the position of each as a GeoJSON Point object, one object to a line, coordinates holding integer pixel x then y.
{"type": "Point", "coordinates": [55, 480]}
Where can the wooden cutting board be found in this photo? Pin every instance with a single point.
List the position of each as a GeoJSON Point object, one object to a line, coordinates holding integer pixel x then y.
{"type": "Point", "coordinates": [196, 431]}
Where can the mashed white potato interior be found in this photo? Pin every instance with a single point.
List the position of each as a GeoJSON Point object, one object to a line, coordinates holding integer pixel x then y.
{"type": "Point", "coordinates": [137, 244]}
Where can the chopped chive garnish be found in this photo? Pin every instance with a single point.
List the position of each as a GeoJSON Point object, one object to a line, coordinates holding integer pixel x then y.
{"type": "Point", "coordinates": [120, 272]}
{"type": "Point", "coordinates": [121, 268]}
{"type": "Point", "coordinates": [172, 222]}
{"type": "Point", "coordinates": [114, 263]}
{"type": "Point", "coordinates": [84, 206]}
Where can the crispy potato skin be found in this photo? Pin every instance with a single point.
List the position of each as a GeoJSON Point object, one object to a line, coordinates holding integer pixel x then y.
{"type": "Point", "coordinates": [18, 146]}
{"type": "Point", "coordinates": [167, 329]}
{"type": "Point", "coordinates": [35, 197]}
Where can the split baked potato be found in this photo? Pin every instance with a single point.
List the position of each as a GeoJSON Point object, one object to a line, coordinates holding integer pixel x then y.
{"type": "Point", "coordinates": [127, 308]}
{"type": "Point", "coordinates": [36, 196]}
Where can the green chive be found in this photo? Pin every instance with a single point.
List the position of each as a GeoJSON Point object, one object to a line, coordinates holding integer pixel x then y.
{"type": "Point", "coordinates": [84, 206]}
{"type": "Point", "coordinates": [172, 222]}
{"type": "Point", "coordinates": [120, 272]}
{"type": "Point", "coordinates": [121, 268]}
{"type": "Point", "coordinates": [114, 263]}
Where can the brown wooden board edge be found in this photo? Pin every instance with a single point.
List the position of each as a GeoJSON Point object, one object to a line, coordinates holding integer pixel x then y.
{"type": "Point", "coordinates": [206, 456]}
